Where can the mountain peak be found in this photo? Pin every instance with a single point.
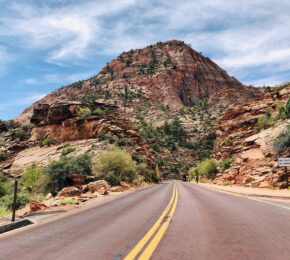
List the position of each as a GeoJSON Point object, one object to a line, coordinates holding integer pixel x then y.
{"type": "Point", "coordinates": [170, 73]}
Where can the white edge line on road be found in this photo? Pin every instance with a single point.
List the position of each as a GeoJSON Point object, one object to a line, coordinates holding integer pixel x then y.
{"type": "Point", "coordinates": [269, 203]}
{"type": "Point", "coordinates": [243, 196]}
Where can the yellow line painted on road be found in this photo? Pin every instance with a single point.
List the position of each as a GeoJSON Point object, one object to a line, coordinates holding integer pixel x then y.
{"type": "Point", "coordinates": [137, 249]}
{"type": "Point", "coordinates": [155, 241]}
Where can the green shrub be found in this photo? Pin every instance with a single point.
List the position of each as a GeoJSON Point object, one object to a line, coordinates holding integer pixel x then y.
{"type": "Point", "coordinates": [121, 143]}
{"type": "Point", "coordinates": [68, 202]}
{"type": "Point", "coordinates": [226, 142]}
{"type": "Point", "coordinates": [101, 112]}
{"type": "Point", "coordinates": [84, 112]}
{"type": "Point", "coordinates": [287, 108]}
{"type": "Point", "coordinates": [20, 134]}
{"type": "Point", "coordinates": [21, 201]}
{"type": "Point", "coordinates": [226, 164]}
{"type": "Point", "coordinates": [115, 165]}
{"type": "Point", "coordinates": [47, 141]}
{"type": "Point", "coordinates": [3, 156]}
{"type": "Point", "coordinates": [58, 171]}
{"type": "Point", "coordinates": [155, 147]}
{"type": "Point", "coordinates": [264, 122]}
{"type": "Point", "coordinates": [151, 177]}
{"type": "Point", "coordinates": [4, 212]}
{"type": "Point", "coordinates": [33, 180]}
{"type": "Point", "coordinates": [67, 150]}
{"type": "Point", "coordinates": [4, 185]}
{"type": "Point", "coordinates": [226, 183]}
{"type": "Point", "coordinates": [282, 142]}
{"type": "Point", "coordinates": [191, 173]}
{"type": "Point", "coordinates": [207, 167]}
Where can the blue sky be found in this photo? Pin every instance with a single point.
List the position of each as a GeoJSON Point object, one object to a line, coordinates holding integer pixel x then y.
{"type": "Point", "coordinates": [47, 44]}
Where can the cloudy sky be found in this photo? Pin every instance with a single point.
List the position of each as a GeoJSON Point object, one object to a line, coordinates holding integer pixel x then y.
{"type": "Point", "coordinates": [47, 44]}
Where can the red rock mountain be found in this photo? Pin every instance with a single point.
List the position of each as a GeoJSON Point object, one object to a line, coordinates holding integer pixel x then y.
{"type": "Point", "coordinates": [169, 73]}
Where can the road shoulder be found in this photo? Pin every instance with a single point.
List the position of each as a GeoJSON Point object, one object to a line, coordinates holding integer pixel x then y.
{"type": "Point", "coordinates": [249, 192]}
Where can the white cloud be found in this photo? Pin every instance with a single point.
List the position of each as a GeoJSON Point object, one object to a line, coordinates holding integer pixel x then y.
{"type": "Point", "coordinates": [58, 78]}
{"type": "Point", "coordinates": [5, 59]}
{"type": "Point", "coordinates": [26, 100]}
{"type": "Point", "coordinates": [67, 32]}
{"type": "Point", "coordinates": [238, 35]}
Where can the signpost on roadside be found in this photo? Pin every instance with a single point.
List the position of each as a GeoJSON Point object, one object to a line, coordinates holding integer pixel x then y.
{"type": "Point", "coordinates": [14, 200]}
{"type": "Point", "coordinates": [285, 162]}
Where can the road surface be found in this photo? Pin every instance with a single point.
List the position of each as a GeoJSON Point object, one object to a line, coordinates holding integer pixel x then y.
{"type": "Point", "coordinates": [165, 221]}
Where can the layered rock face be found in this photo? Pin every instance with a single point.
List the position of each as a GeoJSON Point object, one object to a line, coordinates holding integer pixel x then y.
{"type": "Point", "coordinates": [144, 88]}
{"type": "Point", "coordinates": [170, 73]}
{"type": "Point", "coordinates": [255, 160]}
{"type": "Point", "coordinates": [60, 122]}
{"type": "Point", "coordinates": [150, 85]}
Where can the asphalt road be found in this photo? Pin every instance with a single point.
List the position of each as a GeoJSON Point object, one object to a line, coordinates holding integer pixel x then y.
{"type": "Point", "coordinates": [190, 223]}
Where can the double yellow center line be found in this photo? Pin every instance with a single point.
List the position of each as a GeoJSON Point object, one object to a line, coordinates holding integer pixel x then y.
{"type": "Point", "coordinates": [155, 236]}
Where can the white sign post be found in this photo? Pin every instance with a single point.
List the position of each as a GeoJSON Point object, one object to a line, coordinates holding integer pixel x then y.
{"type": "Point", "coordinates": [285, 162]}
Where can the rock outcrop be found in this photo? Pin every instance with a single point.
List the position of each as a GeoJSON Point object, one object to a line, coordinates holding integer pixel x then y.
{"type": "Point", "coordinates": [144, 86]}
{"type": "Point", "coordinates": [239, 137]}
{"type": "Point", "coordinates": [61, 123]}
{"type": "Point", "coordinates": [169, 73]}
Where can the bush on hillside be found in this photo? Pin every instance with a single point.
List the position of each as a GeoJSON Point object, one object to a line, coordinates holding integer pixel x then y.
{"type": "Point", "coordinates": [6, 196]}
{"type": "Point", "coordinates": [33, 180]}
{"type": "Point", "coordinates": [47, 141]}
{"type": "Point", "coordinates": [4, 188]}
{"type": "Point", "coordinates": [207, 167]}
{"type": "Point", "coordinates": [191, 173]}
{"type": "Point", "coordinates": [226, 164]}
{"type": "Point", "coordinates": [58, 171]}
{"type": "Point", "coordinates": [84, 112]}
{"type": "Point", "coordinates": [115, 165]}
{"type": "Point", "coordinates": [282, 142]}
{"type": "Point", "coordinates": [100, 112]}
{"type": "Point", "coordinates": [20, 134]}
{"type": "Point", "coordinates": [287, 112]}
{"type": "Point", "coordinates": [264, 122]}
{"type": "Point", "coordinates": [21, 201]}
{"type": "Point", "coordinates": [3, 156]}
{"type": "Point", "coordinates": [226, 142]}
{"type": "Point", "coordinates": [67, 149]}
{"type": "Point", "coordinates": [148, 175]}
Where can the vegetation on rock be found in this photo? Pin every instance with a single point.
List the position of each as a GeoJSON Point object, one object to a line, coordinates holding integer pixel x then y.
{"type": "Point", "coordinates": [282, 142]}
{"type": "Point", "coordinates": [207, 167]}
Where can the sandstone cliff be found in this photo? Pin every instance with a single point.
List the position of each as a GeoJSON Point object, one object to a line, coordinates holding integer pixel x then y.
{"type": "Point", "coordinates": [61, 123]}
{"type": "Point", "coordinates": [150, 87]}
{"type": "Point", "coordinates": [240, 136]}
{"type": "Point", "coordinates": [169, 74]}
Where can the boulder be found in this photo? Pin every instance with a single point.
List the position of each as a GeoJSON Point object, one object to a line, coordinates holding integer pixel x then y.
{"type": "Point", "coordinates": [265, 184]}
{"type": "Point", "coordinates": [88, 195]}
{"type": "Point", "coordinates": [97, 185]}
{"type": "Point", "coordinates": [252, 154]}
{"type": "Point", "coordinates": [36, 205]}
{"type": "Point", "coordinates": [69, 192]}
{"type": "Point", "coordinates": [125, 185]}
{"type": "Point", "coordinates": [84, 188]}
{"type": "Point", "coordinates": [77, 180]}
{"type": "Point", "coordinates": [117, 189]}
{"type": "Point", "coordinates": [103, 191]}
{"type": "Point", "coordinates": [248, 180]}
{"type": "Point", "coordinates": [48, 196]}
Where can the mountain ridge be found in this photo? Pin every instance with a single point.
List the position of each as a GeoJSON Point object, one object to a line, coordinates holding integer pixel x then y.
{"type": "Point", "coordinates": [170, 73]}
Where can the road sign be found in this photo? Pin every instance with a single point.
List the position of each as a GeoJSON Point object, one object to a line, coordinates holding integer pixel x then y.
{"type": "Point", "coordinates": [284, 162]}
